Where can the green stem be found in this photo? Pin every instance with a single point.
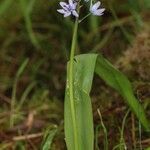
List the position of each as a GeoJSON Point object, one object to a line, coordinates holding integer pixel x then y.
{"type": "Point", "coordinates": [84, 17]}
{"type": "Point", "coordinates": [71, 89]}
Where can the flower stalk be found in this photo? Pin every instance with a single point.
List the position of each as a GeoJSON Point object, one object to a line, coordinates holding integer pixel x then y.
{"type": "Point", "coordinates": [71, 81]}
{"type": "Point", "coordinates": [71, 86]}
{"type": "Point", "coordinates": [71, 8]}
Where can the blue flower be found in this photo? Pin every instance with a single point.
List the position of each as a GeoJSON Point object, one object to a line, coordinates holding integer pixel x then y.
{"type": "Point", "coordinates": [68, 9]}
{"type": "Point", "coordinates": [95, 10]}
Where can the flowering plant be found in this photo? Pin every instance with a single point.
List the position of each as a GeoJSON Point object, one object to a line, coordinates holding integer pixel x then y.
{"type": "Point", "coordinates": [79, 130]}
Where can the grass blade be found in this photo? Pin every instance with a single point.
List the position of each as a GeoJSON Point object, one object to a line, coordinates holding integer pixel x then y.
{"type": "Point", "coordinates": [13, 101]}
{"type": "Point", "coordinates": [49, 136]}
{"type": "Point", "coordinates": [104, 130]}
{"type": "Point", "coordinates": [122, 140]}
{"type": "Point", "coordinates": [27, 7]}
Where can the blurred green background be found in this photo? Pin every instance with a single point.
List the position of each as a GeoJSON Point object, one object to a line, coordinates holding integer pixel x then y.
{"type": "Point", "coordinates": [34, 49]}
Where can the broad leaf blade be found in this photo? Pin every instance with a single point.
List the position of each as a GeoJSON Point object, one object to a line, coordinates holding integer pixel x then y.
{"type": "Point", "coordinates": [84, 67]}
{"type": "Point", "coordinates": [118, 81]}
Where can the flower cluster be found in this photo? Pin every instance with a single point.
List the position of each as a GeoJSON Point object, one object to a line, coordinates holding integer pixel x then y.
{"type": "Point", "coordinates": [70, 8]}
{"type": "Point", "coordinates": [95, 10]}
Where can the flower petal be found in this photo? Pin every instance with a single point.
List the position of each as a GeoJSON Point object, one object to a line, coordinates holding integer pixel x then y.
{"type": "Point", "coordinates": [99, 12]}
{"type": "Point", "coordinates": [96, 5]}
{"type": "Point", "coordinates": [75, 5]}
{"type": "Point", "coordinates": [75, 13]}
{"type": "Point", "coordinates": [62, 11]}
{"type": "Point", "coordinates": [64, 5]}
{"type": "Point", "coordinates": [67, 14]}
{"type": "Point", "coordinates": [71, 3]}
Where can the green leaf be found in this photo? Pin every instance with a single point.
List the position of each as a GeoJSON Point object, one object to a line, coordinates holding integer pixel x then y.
{"type": "Point", "coordinates": [49, 136]}
{"type": "Point", "coordinates": [84, 66]}
{"type": "Point", "coordinates": [22, 67]}
{"type": "Point", "coordinates": [27, 8]}
{"type": "Point", "coordinates": [118, 81]}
